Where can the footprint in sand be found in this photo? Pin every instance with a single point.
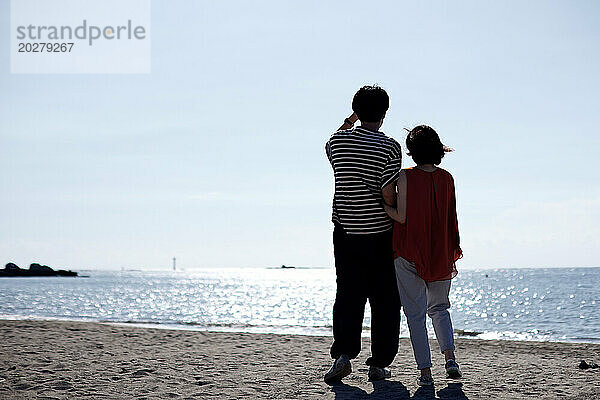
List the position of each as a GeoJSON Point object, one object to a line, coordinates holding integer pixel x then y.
{"type": "Point", "coordinates": [62, 386]}
{"type": "Point", "coordinates": [142, 372]}
{"type": "Point", "coordinates": [22, 386]}
{"type": "Point", "coordinates": [200, 382]}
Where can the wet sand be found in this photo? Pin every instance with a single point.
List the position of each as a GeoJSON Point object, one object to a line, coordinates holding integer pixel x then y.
{"type": "Point", "coordinates": [85, 360]}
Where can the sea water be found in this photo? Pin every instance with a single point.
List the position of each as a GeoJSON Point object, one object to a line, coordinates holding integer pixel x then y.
{"type": "Point", "coordinates": [551, 304]}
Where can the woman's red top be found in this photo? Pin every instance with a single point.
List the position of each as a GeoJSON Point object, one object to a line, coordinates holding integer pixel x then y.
{"type": "Point", "coordinates": [429, 237]}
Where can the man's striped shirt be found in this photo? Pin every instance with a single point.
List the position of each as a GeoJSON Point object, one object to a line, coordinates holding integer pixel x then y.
{"type": "Point", "coordinates": [363, 162]}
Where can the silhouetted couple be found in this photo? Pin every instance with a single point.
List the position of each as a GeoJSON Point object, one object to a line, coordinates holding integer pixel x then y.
{"type": "Point", "coordinates": [395, 241]}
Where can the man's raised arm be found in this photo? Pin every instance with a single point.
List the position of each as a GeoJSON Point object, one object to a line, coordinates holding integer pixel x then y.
{"type": "Point", "coordinates": [349, 122]}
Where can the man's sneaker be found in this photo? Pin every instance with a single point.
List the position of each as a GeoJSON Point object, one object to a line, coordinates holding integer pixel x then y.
{"type": "Point", "coordinates": [377, 374]}
{"type": "Point", "coordinates": [452, 369]}
{"type": "Point", "coordinates": [341, 368]}
{"type": "Point", "coordinates": [425, 380]}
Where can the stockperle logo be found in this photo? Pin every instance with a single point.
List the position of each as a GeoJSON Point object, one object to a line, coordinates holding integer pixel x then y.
{"type": "Point", "coordinates": [80, 36]}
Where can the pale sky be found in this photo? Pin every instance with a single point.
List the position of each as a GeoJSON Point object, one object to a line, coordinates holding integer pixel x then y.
{"type": "Point", "coordinates": [217, 158]}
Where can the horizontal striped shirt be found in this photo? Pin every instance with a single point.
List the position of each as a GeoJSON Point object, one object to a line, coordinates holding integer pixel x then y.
{"type": "Point", "coordinates": [363, 162]}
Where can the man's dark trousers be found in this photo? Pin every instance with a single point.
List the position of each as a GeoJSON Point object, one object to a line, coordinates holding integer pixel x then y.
{"type": "Point", "coordinates": [364, 267]}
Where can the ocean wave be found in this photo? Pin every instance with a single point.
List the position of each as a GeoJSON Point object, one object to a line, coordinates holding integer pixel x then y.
{"type": "Point", "coordinates": [303, 330]}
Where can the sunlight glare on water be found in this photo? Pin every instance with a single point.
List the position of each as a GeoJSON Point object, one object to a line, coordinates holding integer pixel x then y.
{"type": "Point", "coordinates": [525, 304]}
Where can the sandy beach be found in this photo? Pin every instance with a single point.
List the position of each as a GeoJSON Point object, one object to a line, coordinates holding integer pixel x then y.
{"type": "Point", "coordinates": [75, 360]}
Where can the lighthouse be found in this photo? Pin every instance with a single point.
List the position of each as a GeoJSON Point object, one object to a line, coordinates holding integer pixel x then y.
{"type": "Point", "coordinates": [174, 264]}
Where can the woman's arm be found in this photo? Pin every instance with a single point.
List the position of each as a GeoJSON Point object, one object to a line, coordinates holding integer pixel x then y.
{"type": "Point", "coordinates": [453, 223]}
{"type": "Point", "coordinates": [399, 212]}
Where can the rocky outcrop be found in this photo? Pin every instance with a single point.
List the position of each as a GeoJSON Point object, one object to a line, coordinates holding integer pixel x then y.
{"type": "Point", "coordinates": [41, 270]}
{"type": "Point", "coordinates": [35, 269]}
{"type": "Point", "coordinates": [12, 267]}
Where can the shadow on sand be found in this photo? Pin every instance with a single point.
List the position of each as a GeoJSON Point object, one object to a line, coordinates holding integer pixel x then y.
{"type": "Point", "coordinates": [397, 391]}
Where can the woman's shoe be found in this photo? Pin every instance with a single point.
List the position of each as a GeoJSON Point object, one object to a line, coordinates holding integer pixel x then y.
{"type": "Point", "coordinates": [453, 370]}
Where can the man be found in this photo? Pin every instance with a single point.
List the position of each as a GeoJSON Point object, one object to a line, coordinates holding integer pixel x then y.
{"type": "Point", "coordinates": [366, 164]}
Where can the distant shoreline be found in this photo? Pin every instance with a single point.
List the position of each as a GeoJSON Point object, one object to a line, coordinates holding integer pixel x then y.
{"type": "Point", "coordinates": [302, 268]}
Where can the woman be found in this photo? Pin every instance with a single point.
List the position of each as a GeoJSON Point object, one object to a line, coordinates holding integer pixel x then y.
{"type": "Point", "coordinates": [426, 247]}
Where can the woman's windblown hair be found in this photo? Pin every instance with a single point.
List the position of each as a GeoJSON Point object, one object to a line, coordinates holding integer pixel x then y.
{"type": "Point", "coordinates": [424, 145]}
